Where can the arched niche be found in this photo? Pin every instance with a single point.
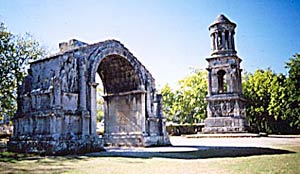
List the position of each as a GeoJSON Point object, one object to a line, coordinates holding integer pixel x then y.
{"type": "Point", "coordinates": [221, 82]}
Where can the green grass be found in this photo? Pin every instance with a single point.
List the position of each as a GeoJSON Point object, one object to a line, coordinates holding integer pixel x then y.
{"type": "Point", "coordinates": [285, 163]}
{"type": "Point", "coordinates": [253, 160]}
{"type": "Point", "coordinates": [13, 157]}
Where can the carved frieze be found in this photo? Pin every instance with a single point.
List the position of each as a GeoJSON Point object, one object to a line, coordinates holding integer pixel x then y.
{"type": "Point", "coordinates": [69, 74]}
{"type": "Point", "coordinates": [222, 108]}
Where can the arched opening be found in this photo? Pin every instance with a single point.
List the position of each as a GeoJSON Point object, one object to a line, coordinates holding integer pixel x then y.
{"type": "Point", "coordinates": [117, 75]}
{"type": "Point", "coordinates": [123, 102]}
{"type": "Point", "coordinates": [222, 87]}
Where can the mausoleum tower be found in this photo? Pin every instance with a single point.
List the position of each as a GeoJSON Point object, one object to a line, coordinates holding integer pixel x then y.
{"type": "Point", "coordinates": [226, 106]}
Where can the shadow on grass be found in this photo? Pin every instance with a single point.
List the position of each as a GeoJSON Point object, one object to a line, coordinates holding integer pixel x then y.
{"type": "Point", "coordinates": [12, 157]}
{"type": "Point", "coordinates": [9, 162]}
{"type": "Point", "coordinates": [173, 152]}
{"type": "Point", "coordinates": [199, 152]}
{"type": "Point", "coordinates": [32, 163]}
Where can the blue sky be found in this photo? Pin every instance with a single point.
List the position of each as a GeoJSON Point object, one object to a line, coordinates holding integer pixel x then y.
{"type": "Point", "coordinates": [167, 36]}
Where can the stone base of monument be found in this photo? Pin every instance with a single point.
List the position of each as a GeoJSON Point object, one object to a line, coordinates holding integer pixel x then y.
{"type": "Point", "coordinates": [123, 139]}
{"type": "Point", "coordinates": [55, 145]}
{"type": "Point", "coordinates": [136, 140]}
{"type": "Point", "coordinates": [225, 125]}
{"type": "Point", "coordinates": [157, 141]}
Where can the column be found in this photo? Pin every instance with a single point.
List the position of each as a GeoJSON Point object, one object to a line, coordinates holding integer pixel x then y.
{"type": "Point", "coordinates": [159, 113]}
{"type": "Point", "coordinates": [106, 115]}
{"type": "Point", "coordinates": [209, 81]}
{"type": "Point", "coordinates": [216, 40]}
{"type": "Point", "coordinates": [93, 118]}
{"type": "Point", "coordinates": [83, 96]}
{"type": "Point", "coordinates": [229, 40]}
{"type": "Point", "coordinates": [53, 126]}
{"type": "Point", "coordinates": [223, 41]}
{"type": "Point", "coordinates": [213, 42]}
{"type": "Point", "coordinates": [209, 112]}
{"type": "Point", "coordinates": [236, 110]}
{"type": "Point", "coordinates": [57, 93]}
{"type": "Point", "coordinates": [143, 112]}
{"type": "Point", "coordinates": [82, 84]}
{"type": "Point", "coordinates": [232, 41]}
{"type": "Point", "coordinates": [240, 81]}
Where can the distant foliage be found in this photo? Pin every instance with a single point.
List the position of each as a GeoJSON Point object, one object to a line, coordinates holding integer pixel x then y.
{"type": "Point", "coordinates": [274, 99]}
{"type": "Point", "coordinates": [292, 107]}
{"type": "Point", "coordinates": [15, 53]}
{"type": "Point", "coordinates": [187, 103]}
{"type": "Point", "coordinates": [264, 91]}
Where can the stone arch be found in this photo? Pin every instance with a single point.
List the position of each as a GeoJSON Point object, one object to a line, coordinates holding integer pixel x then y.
{"type": "Point", "coordinates": [64, 119]}
{"type": "Point", "coordinates": [115, 49]}
{"type": "Point", "coordinates": [124, 81]}
{"type": "Point", "coordinates": [118, 75]}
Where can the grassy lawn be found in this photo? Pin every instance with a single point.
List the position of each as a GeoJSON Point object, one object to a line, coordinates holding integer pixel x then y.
{"type": "Point", "coordinates": [279, 159]}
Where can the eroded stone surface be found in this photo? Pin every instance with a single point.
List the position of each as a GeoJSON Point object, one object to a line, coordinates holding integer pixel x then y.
{"type": "Point", "coordinates": [57, 102]}
{"type": "Point", "coordinates": [226, 108]}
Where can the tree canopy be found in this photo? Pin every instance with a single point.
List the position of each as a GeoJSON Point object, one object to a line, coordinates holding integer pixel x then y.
{"type": "Point", "coordinates": [15, 54]}
{"type": "Point", "coordinates": [264, 93]}
{"type": "Point", "coordinates": [274, 99]}
{"type": "Point", "coordinates": [293, 91]}
{"type": "Point", "coordinates": [187, 104]}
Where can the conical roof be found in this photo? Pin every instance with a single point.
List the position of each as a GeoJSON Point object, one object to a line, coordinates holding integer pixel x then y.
{"type": "Point", "coordinates": [222, 19]}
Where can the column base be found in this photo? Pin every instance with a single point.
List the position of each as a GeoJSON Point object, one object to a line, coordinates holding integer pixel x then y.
{"type": "Point", "coordinates": [134, 140]}
{"type": "Point", "coordinates": [225, 125]}
{"type": "Point", "coordinates": [55, 145]}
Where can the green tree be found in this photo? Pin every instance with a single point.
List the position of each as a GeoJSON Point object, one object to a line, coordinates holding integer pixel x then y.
{"type": "Point", "coordinates": [292, 107]}
{"type": "Point", "coordinates": [266, 93]}
{"type": "Point", "coordinates": [15, 54]}
{"type": "Point", "coordinates": [187, 104]}
{"type": "Point", "coordinates": [168, 100]}
{"type": "Point", "coordinates": [256, 90]}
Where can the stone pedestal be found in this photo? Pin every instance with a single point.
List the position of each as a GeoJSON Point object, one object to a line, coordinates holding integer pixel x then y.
{"type": "Point", "coordinates": [55, 144]}
{"type": "Point", "coordinates": [226, 114]}
{"type": "Point", "coordinates": [225, 125]}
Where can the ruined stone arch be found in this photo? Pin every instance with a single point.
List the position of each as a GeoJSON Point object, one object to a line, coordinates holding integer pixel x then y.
{"type": "Point", "coordinates": [63, 119]}
{"type": "Point", "coordinates": [108, 63]}
{"type": "Point", "coordinates": [96, 59]}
